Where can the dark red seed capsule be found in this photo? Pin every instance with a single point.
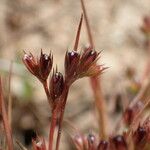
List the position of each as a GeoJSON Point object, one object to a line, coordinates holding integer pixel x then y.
{"type": "Point", "coordinates": [89, 55]}
{"type": "Point", "coordinates": [56, 85]}
{"type": "Point", "coordinates": [139, 135]}
{"type": "Point", "coordinates": [71, 62]}
{"type": "Point", "coordinates": [119, 142]}
{"type": "Point", "coordinates": [91, 141]}
{"type": "Point", "coordinates": [92, 55]}
{"type": "Point", "coordinates": [45, 65]}
{"type": "Point", "coordinates": [88, 58]}
{"type": "Point", "coordinates": [30, 63]}
{"type": "Point", "coordinates": [128, 116]}
{"type": "Point", "coordinates": [103, 145]}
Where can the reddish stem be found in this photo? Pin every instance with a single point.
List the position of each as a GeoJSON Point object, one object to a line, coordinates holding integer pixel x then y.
{"type": "Point", "coordinates": [99, 103]}
{"type": "Point", "coordinates": [47, 93]}
{"type": "Point", "coordinates": [8, 131]}
{"type": "Point", "coordinates": [65, 95]}
{"type": "Point", "coordinates": [87, 24]}
{"type": "Point", "coordinates": [52, 129]}
{"type": "Point", "coordinates": [9, 95]}
{"type": "Point", "coordinates": [78, 34]}
{"type": "Point", "coordinates": [59, 128]}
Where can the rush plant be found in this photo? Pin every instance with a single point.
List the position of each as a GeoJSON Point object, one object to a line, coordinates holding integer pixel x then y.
{"type": "Point", "coordinates": [77, 65]}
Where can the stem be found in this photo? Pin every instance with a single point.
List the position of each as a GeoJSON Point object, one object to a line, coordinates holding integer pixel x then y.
{"type": "Point", "coordinates": [9, 94]}
{"type": "Point", "coordinates": [8, 131]}
{"type": "Point", "coordinates": [52, 129]}
{"type": "Point", "coordinates": [59, 128]}
{"type": "Point", "coordinates": [87, 24]}
{"type": "Point", "coordinates": [61, 117]}
{"type": "Point", "coordinates": [47, 93]}
{"type": "Point", "coordinates": [20, 145]}
{"type": "Point", "coordinates": [95, 83]}
{"type": "Point", "coordinates": [100, 104]}
{"type": "Point", "coordinates": [78, 34]}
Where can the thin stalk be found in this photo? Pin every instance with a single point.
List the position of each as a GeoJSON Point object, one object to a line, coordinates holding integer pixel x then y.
{"type": "Point", "coordinates": [9, 94]}
{"type": "Point", "coordinates": [87, 24]}
{"type": "Point", "coordinates": [65, 95]}
{"type": "Point", "coordinates": [95, 83]}
{"type": "Point", "coordinates": [47, 93]}
{"type": "Point", "coordinates": [60, 128]}
{"type": "Point", "coordinates": [78, 34]}
{"type": "Point", "coordinates": [20, 145]}
{"type": "Point", "coordinates": [99, 103]}
{"type": "Point", "coordinates": [7, 127]}
{"type": "Point", "coordinates": [52, 129]}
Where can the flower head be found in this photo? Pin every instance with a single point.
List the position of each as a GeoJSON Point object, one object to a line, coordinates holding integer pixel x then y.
{"type": "Point", "coordinates": [82, 65]}
{"type": "Point", "coordinates": [31, 63]}
{"type": "Point", "coordinates": [139, 136]}
{"type": "Point", "coordinates": [103, 145]}
{"type": "Point", "coordinates": [119, 143]}
{"type": "Point", "coordinates": [91, 142]}
{"type": "Point", "coordinates": [71, 63]}
{"type": "Point", "coordinates": [87, 65]}
{"type": "Point", "coordinates": [39, 67]}
{"type": "Point", "coordinates": [56, 85]}
{"type": "Point", "coordinates": [45, 65]}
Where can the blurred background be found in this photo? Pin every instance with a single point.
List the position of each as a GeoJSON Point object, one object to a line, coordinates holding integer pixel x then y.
{"type": "Point", "coordinates": [32, 25]}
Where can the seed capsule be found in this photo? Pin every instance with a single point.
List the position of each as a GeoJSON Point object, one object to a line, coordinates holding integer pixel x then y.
{"type": "Point", "coordinates": [88, 57]}
{"type": "Point", "coordinates": [91, 142]}
{"type": "Point", "coordinates": [119, 143]}
{"type": "Point", "coordinates": [87, 65]}
{"type": "Point", "coordinates": [39, 67]}
{"type": "Point", "coordinates": [103, 145]}
{"type": "Point", "coordinates": [141, 132]}
{"type": "Point", "coordinates": [31, 63]}
{"type": "Point", "coordinates": [46, 62]}
{"type": "Point", "coordinates": [56, 85]}
{"type": "Point", "coordinates": [71, 63]}
{"type": "Point", "coordinates": [140, 138]}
